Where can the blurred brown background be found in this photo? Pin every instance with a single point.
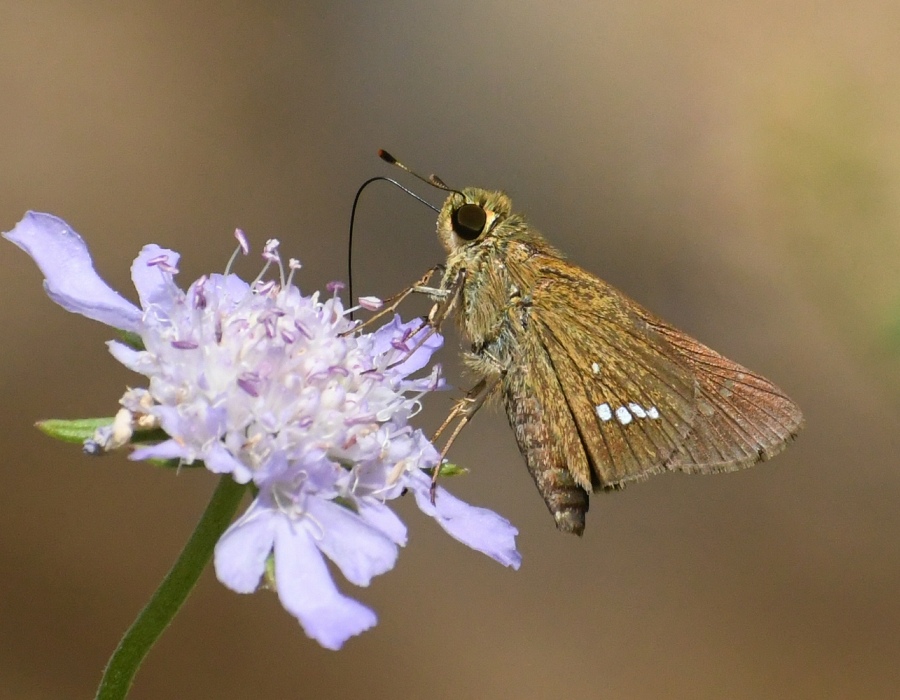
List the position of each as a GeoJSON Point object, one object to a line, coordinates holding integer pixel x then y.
{"type": "Point", "coordinates": [733, 166]}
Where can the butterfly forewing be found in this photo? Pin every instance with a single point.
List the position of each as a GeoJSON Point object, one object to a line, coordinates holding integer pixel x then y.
{"type": "Point", "coordinates": [646, 397]}
{"type": "Point", "coordinates": [633, 402]}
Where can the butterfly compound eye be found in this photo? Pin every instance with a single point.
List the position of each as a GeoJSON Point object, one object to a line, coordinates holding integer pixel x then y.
{"type": "Point", "coordinates": [468, 221]}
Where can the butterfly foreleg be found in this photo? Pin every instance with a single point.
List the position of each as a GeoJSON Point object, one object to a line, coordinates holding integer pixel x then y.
{"type": "Point", "coordinates": [438, 313]}
{"type": "Point", "coordinates": [390, 304]}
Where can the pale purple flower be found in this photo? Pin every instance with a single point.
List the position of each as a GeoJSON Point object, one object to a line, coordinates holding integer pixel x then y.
{"type": "Point", "coordinates": [272, 387]}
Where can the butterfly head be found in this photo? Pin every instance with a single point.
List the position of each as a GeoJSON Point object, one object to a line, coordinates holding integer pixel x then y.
{"type": "Point", "coordinates": [468, 217]}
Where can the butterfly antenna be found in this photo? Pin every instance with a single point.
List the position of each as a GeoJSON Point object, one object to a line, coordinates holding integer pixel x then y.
{"type": "Point", "coordinates": [432, 179]}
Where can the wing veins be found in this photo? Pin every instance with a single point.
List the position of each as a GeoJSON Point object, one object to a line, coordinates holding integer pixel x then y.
{"type": "Point", "coordinates": [667, 439]}
{"type": "Point", "coordinates": [620, 427]}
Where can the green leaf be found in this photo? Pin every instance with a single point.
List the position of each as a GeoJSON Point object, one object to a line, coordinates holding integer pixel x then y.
{"type": "Point", "coordinates": [448, 469]}
{"type": "Point", "coordinates": [144, 437]}
{"type": "Point", "coordinates": [133, 340]}
{"type": "Point", "coordinates": [268, 578]}
{"type": "Point", "coordinates": [346, 503]}
{"type": "Point", "coordinates": [77, 430]}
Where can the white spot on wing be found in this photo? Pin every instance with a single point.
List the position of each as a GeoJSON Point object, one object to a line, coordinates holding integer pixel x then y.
{"type": "Point", "coordinates": [637, 410]}
{"type": "Point", "coordinates": [596, 368]}
{"type": "Point", "coordinates": [653, 413]}
{"type": "Point", "coordinates": [604, 412]}
{"type": "Point", "coordinates": [623, 415]}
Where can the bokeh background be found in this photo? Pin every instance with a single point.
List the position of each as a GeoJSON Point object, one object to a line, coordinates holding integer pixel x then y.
{"type": "Point", "coordinates": [733, 166]}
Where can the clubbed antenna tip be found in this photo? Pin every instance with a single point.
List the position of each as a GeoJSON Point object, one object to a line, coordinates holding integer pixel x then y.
{"type": "Point", "coordinates": [432, 180]}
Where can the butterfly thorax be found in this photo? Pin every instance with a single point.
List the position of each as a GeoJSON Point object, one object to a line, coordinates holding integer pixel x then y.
{"type": "Point", "coordinates": [499, 281]}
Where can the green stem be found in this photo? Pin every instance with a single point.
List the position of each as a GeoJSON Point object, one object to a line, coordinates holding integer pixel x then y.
{"type": "Point", "coordinates": [172, 592]}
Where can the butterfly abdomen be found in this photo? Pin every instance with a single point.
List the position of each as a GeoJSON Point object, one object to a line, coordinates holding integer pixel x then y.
{"type": "Point", "coordinates": [547, 435]}
{"type": "Point", "coordinates": [565, 499]}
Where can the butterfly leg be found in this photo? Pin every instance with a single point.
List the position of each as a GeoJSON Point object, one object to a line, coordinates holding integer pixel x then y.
{"type": "Point", "coordinates": [463, 410]}
{"type": "Point", "coordinates": [437, 315]}
{"type": "Point", "coordinates": [391, 303]}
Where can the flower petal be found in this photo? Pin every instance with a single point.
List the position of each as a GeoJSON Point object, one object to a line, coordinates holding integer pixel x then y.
{"type": "Point", "coordinates": [70, 278]}
{"type": "Point", "coordinates": [240, 555]}
{"type": "Point", "coordinates": [307, 592]}
{"type": "Point", "coordinates": [153, 284]}
{"type": "Point", "coordinates": [396, 331]}
{"type": "Point", "coordinates": [220, 461]}
{"type": "Point", "coordinates": [127, 355]}
{"type": "Point", "coordinates": [379, 516]}
{"type": "Point", "coordinates": [168, 449]}
{"type": "Point", "coordinates": [478, 528]}
{"type": "Point", "coordinates": [359, 550]}
{"type": "Point", "coordinates": [430, 344]}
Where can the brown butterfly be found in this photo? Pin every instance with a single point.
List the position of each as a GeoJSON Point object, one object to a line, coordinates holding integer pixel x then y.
{"type": "Point", "coordinates": [599, 391]}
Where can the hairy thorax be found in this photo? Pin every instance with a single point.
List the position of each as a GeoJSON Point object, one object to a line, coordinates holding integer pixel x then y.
{"type": "Point", "coordinates": [494, 302]}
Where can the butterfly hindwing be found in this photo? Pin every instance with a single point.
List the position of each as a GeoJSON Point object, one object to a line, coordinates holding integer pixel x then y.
{"type": "Point", "coordinates": [742, 418]}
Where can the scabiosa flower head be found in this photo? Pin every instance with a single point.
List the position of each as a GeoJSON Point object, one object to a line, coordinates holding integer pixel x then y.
{"type": "Point", "coordinates": [276, 388]}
